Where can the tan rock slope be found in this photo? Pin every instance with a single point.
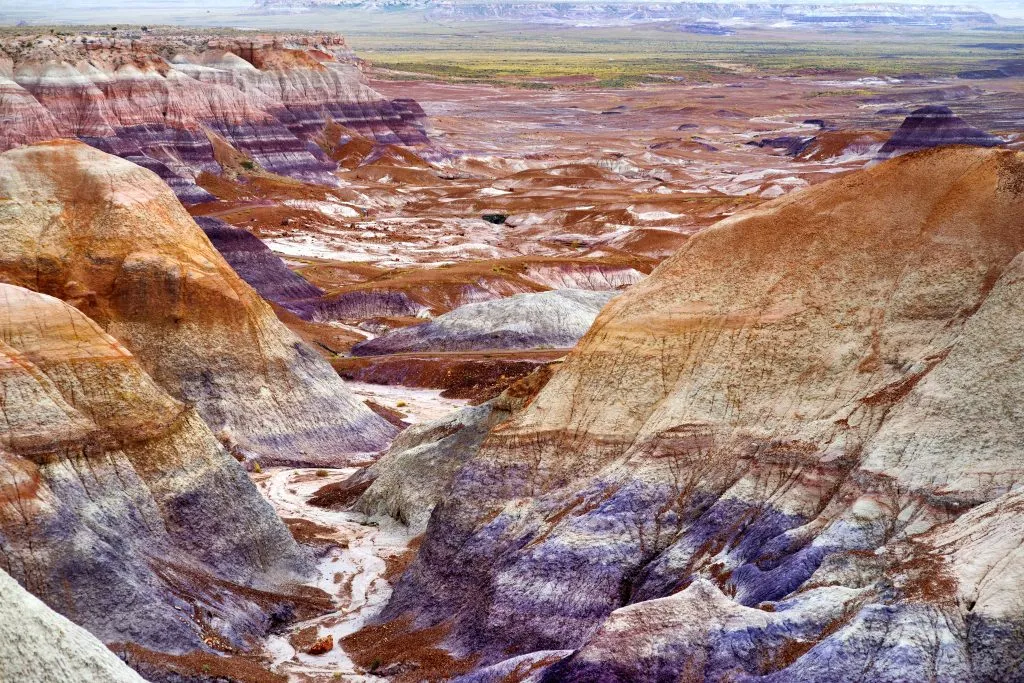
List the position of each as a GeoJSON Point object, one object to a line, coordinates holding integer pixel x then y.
{"type": "Point", "coordinates": [799, 439]}
{"type": "Point", "coordinates": [110, 238]}
{"type": "Point", "coordinates": [118, 507]}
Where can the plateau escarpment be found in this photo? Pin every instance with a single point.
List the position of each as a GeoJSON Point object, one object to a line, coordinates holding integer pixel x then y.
{"type": "Point", "coordinates": [182, 105]}
{"type": "Point", "coordinates": [118, 506]}
{"type": "Point", "coordinates": [110, 238]}
{"type": "Point", "coordinates": [789, 454]}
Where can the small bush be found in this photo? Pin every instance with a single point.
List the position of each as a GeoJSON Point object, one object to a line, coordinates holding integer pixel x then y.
{"type": "Point", "coordinates": [248, 165]}
{"type": "Point", "coordinates": [256, 468]}
{"type": "Point", "coordinates": [322, 473]}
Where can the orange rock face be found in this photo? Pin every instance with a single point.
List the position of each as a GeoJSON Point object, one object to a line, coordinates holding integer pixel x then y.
{"type": "Point", "coordinates": [111, 239]}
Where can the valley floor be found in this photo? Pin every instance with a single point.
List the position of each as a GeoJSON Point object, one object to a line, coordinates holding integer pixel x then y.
{"type": "Point", "coordinates": [358, 555]}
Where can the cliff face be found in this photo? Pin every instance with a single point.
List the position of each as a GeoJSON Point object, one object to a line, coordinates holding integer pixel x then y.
{"type": "Point", "coordinates": [174, 104]}
{"type": "Point", "coordinates": [108, 237]}
{"type": "Point", "coordinates": [792, 452]}
{"type": "Point", "coordinates": [118, 506]}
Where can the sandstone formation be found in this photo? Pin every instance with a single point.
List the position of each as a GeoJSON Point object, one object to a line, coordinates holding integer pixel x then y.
{"type": "Point", "coordinates": [41, 646]}
{"type": "Point", "coordinates": [110, 238]}
{"type": "Point", "coordinates": [554, 319]}
{"type": "Point", "coordinates": [118, 506]}
{"type": "Point", "coordinates": [180, 104]}
{"type": "Point", "coordinates": [934, 126]}
{"type": "Point", "coordinates": [790, 454]}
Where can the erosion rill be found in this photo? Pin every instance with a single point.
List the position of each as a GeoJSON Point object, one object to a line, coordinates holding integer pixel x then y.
{"type": "Point", "coordinates": [791, 453]}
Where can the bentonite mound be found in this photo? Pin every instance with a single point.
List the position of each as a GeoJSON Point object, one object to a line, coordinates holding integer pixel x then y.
{"type": "Point", "coordinates": [555, 319]}
{"type": "Point", "coordinates": [118, 507]}
{"type": "Point", "coordinates": [935, 126]}
{"type": "Point", "coordinates": [261, 268]}
{"type": "Point", "coordinates": [41, 646]}
{"type": "Point", "coordinates": [165, 101]}
{"type": "Point", "coordinates": [791, 454]}
{"type": "Point", "coordinates": [111, 239]}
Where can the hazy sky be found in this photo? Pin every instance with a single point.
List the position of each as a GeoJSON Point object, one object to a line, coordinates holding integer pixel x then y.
{"type": "Point", "coordinates": [1008, 8]}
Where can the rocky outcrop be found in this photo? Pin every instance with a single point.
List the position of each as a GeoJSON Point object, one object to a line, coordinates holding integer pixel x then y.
{"type": "Point", "coordinates": [108, 237]}
{"type": "Point", "coordinates": [167, 101]}
{"type": "Point", "coordinates": [118, 506]}
{"type": "Point", "coordinates": [934, 126]}
{"type": "Point", "coordinates": [261, 268]}
{"type": "Point", "coordinates": [41, 646]}
{"type": "Point", "coordinates": [555, 319]}
{"type": "Point", "coordinates": [790, 454]}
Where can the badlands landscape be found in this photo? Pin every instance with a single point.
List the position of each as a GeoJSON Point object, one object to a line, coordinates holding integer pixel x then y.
{"type": "Point", "coordinates": [511, 343]}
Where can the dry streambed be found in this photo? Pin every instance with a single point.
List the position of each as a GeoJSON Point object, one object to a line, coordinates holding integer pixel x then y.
{"type": "Point", "coordinates": [354, 569]}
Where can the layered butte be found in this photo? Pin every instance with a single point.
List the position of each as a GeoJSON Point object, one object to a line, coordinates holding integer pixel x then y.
{"type": "Point", "coordinates": [110, 238]}
{"type": "Point", "coordinates": [790, 454]}
{"type": "Point", "coordinates": [182, 105]}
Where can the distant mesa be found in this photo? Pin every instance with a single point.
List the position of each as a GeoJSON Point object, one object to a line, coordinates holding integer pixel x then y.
{"type": "Point", "coordinates": [703, 17]}
{"type": "Point", "coordinates": [935, 126]}
{"type": "Point", "coordinates": [706, 29]}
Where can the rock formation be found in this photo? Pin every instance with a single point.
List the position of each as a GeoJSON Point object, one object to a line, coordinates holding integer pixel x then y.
{"type": "Point", "coordinates": [41, 646]}
{"type": "Point", "coordinates": [555, 319]}
{"type": "Point", "coordinates": [790, 454]}
{"type": "Point", "coordinates": [118, 506]}
{"type": "Point", "coordinates": [934, 126]}
{"type": "Point", "coordinates": [175, 103]}
{"type": "Point", "coordinates": [261, 268]}
{"type": "Point", "coordinates": [108, 237]}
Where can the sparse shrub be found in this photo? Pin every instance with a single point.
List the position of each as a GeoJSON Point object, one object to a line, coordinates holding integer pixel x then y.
{"type": "Point", "coordinates": [322, 473]}
{"type": "Point", "coordinates": [248, 165]}
{"type": "Point", "coordinates": [256, 468]}
{"type": "Point", "coordinates": [401, 404]}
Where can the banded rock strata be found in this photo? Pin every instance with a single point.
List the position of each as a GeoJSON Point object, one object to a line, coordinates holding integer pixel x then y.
{"type": "Point", "coordinates": [177, 103]}
{"type": "Point", "coordinates": [790, 454]}
{"type": "Point", "coordinates": [110, 238]}
{"type": "Point", "coordinates": [118, 506]}
{"type": "Point", "coordinates": [261, 268]}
